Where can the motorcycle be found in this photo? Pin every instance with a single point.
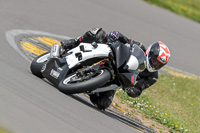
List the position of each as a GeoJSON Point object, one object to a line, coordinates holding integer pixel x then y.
{"type": "Point", "coordinates": [90, 68]}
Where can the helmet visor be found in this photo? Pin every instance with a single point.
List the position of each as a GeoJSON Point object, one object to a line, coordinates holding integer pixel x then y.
{"type": "Point", "coordinates": [153, 57]}
{"type": "Point", "coordinates": [155, 64]}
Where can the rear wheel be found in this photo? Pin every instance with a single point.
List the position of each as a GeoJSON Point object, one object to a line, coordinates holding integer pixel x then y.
{"type": "Point", "coordinates": [37, 64]}
{"type": "Point", "coordinates": [75, 84]}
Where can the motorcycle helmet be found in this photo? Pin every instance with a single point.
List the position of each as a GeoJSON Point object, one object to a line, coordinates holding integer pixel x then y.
{"type": "Point", "coordinates": [157, 56]}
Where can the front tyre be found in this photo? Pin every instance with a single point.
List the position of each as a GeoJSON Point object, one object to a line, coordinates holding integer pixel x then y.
{"type": "Point", "coordinates": [67, 85]}
{"type": "Point", "coordinates": [37, 64]}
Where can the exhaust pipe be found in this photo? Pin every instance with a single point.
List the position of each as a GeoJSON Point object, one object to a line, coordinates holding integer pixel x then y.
{"type": "Point", "coordinates": [103, 89]}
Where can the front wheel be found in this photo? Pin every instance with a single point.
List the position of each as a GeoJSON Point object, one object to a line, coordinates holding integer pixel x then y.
{"type": "Point", "coordinates": [37, 64]}
{"type": "Point", "coordinates": [74, 84]}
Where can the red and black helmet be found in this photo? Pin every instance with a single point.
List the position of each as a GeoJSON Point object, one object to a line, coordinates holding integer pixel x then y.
{"type": "Point", "coordinates": [157, 55]}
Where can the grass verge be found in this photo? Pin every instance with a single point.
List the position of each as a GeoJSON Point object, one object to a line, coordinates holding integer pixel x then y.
{"type": "Point", "coordinates": [174, 101]}
{"type": "Point", "coordinates": [186, 8]}
{"type": "Point", "coordinates": [2, 130]}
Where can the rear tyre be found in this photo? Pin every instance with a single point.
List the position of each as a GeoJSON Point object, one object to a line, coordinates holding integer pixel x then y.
{"type": "Point", "coordinates": [37, 64]}
{"type": "Point", "coordinates": [79, 87]}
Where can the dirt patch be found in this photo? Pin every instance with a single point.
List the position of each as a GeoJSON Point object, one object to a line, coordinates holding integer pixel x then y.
{"type": "Point", "coordinates": [135, 114]}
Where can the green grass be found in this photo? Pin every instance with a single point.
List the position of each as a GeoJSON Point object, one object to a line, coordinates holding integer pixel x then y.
{"type": "Point", "coordinates": [2, 130]}
{"type": "Point", "coordinates": [172, 101]}
{"type": "Point", "coordinates": [187, 8]}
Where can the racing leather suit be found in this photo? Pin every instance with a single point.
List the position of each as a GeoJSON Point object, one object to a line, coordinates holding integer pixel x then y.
{"type": "Point", "coordinates": [145, 79]}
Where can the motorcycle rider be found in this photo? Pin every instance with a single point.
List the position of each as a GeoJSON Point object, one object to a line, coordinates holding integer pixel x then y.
{"type": "Point", "coordinates": [157, 56]}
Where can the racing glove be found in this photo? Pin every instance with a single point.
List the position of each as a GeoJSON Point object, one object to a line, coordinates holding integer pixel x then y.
{"type": "Point", "coordinates": [132, 42]}
{"type": "Point", "coordinates": [68, 44]}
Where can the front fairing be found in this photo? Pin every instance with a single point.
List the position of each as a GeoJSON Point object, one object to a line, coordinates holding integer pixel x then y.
{"type": "Point", "coordinates": [55, 70]}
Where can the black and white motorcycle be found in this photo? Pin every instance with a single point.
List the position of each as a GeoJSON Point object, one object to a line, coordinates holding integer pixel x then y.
{"type": "Point", "coordinates": [90, 68]}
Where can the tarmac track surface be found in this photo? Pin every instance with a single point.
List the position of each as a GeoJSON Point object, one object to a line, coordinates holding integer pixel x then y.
{"type": "Point", "coordinates": [28, 104]}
